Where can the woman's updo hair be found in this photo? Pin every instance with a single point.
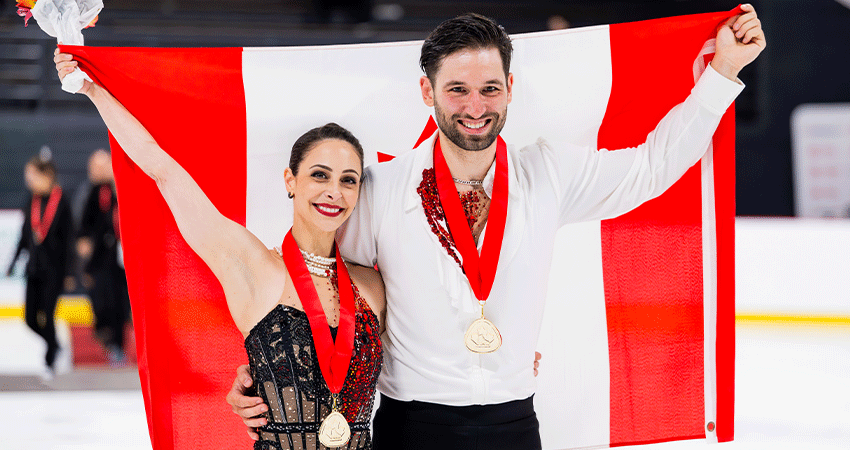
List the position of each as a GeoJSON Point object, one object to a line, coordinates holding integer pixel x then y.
{"type": "Point", "coordinates": [43, 163]}
{"type": "Point", "coordinates": [308, 140]}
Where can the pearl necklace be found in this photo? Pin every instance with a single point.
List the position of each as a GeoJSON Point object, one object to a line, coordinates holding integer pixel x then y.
{"type": "Point", "coordinates": [468, 182]}
{"type": "Point", "coordinates": [316, 265]}
{"type": "Point", "coordinates": [319, 265]}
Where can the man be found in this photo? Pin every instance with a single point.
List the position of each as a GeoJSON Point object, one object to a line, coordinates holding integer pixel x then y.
{"type": "Point", "coordinates": [98, 244]}
{"type": "Point", "coordinates": [441, 220]}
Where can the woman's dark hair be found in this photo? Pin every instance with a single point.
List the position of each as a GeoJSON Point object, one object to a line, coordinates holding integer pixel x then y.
{"type": "Point", "coordinates": [44, 164]}
{"type": "Point", "coordinates": [308, 140]}
{"type": "Point", "coordinates": [467, 31]}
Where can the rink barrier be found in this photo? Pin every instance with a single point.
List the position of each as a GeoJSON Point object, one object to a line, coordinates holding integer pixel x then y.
{"type": "Point", "coordinates": [75, 310]}
{"type": "Point", "coordinates": [791, 319]}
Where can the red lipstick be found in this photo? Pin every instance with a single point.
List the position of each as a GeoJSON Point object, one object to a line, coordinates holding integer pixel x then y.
{"type": "Point", "coordinates": [328, 210]}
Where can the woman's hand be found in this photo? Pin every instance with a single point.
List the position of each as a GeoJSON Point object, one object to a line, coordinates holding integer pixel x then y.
{"type": "Point", "coordinates": [65, 64]}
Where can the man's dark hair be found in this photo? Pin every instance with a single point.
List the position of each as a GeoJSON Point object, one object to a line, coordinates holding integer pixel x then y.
{"type": "Point", "coordinates": [467, 31]}
{"type": "Point", "coordinates": [308, 140]}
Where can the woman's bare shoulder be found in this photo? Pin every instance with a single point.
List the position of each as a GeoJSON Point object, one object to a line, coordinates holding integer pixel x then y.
{"type": "Point", "coordinates": [363, 274]}
{"type": "Point", "coordinates": [371, 285]}
{"type": "Point", "coordinates": [276, 253]}
{"type": "Point", "coordinates": [269, 284]}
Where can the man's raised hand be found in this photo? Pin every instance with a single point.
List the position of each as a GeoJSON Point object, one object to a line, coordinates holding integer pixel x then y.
{"type": "Point", "coordinates": [739, 42]}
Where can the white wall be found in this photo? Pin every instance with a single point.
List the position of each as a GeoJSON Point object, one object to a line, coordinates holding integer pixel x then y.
{"type": "Point", "coordinates": [793, 266]}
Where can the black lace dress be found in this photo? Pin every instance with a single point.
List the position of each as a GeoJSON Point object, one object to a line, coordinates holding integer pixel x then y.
{"type": "Point", "coordinates": [288, 378]}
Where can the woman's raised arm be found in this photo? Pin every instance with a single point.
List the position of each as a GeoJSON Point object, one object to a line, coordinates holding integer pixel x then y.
{"type": "Point", "coordinates": [242, 264]}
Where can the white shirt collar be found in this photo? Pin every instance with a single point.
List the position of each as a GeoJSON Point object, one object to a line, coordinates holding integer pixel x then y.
{"type": "Point", "coordinates": [425, 160]}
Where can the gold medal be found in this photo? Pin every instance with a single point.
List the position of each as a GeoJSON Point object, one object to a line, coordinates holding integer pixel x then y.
{"type": "Point", "coordinates": [334, 431]}
{"type": "Point", "coordinates": [482, 336]}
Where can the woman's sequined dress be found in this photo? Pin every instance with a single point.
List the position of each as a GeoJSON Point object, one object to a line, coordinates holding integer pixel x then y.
{"type": "Point", "coordinates": [287, 376]}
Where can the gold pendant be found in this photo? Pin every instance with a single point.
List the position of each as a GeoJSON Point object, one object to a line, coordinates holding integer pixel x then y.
{"type": "Point", "coordinates": [334, 431]}
{"type": "Point", "coordinates": [482, 336]}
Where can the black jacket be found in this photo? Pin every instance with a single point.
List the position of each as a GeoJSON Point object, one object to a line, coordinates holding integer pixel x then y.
{"type": "Point", "coordinates": [98, 224]}
{"type": "Point", "coordinates": [51, 257]}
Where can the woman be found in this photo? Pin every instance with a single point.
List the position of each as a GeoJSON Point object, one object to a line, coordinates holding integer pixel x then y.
{"type": "Point", "coordinates": [284, 300]}
{"type": "Point", "coordinates": [45, 236]}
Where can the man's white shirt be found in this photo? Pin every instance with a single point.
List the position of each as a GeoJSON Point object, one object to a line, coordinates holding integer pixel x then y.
{"type": "Point", "coordinates": [429, 301]}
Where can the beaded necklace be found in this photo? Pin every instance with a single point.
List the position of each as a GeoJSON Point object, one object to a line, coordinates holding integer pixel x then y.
{"type": "Point", "coordinates": [316, 265]}
{"type": "Point", "coordinates": [319, 265]}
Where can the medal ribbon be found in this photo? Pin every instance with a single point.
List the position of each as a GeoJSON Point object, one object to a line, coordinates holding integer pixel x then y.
{"type": "Point", "coordinates": [480, 271]}
{"type": "Point", "coordinates": [41, 227]}
{"type": "Point", "coordinates": [334, 357]}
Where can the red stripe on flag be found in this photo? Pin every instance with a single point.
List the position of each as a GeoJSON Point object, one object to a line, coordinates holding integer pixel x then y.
{"type": "Point", "coordinates": [189, 99]}
{"type": "Point", "coordinates": [724, 189]}
{"type": "Point", "coordinates": [430, 128]}
{"type": "Point", "coordinates": [652, 257]}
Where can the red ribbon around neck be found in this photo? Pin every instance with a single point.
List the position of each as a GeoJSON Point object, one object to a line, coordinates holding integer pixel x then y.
{"type": "Point", "coordinates": [334, 357]}
{"type": "Point", "coordinates": [41, 225]}
{"type": "Point", "coordinates": [480, 271]}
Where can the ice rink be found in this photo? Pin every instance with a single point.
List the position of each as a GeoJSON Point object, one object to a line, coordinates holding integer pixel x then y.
{"type": "Point", "coordinates": [793, 392]}
{"type": "Point", "coordinates": [793, 370]}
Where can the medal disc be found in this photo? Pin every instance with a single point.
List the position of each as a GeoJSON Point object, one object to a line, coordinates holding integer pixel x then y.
{"type": "Point", "coordinates": [334, 431]}
{"type": "Point", "coordinates": [482, 337]}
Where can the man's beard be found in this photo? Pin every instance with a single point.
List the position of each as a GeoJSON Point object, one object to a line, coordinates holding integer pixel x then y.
{"type": "Point", "coordinates": [472, 143]}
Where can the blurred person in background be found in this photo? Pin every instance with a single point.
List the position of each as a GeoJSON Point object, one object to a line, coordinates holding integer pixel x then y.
{"type": "Point", "coordinates": [557, 22]}
{"type": "Point", "coordinates": [99, 245]}
{"type": "Point", "coordinates": [46, 236]}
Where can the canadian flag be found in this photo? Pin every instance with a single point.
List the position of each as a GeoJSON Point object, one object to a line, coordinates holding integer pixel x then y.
{"type": "Point", "coordinates": [638, 339]}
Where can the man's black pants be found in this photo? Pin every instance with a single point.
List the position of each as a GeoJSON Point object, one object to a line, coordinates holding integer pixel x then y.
{"type": "Point", "coordinates": [426, 426]}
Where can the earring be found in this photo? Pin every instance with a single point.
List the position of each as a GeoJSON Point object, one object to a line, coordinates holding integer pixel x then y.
{"type": "Point", "coordinates": [290, 195]}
